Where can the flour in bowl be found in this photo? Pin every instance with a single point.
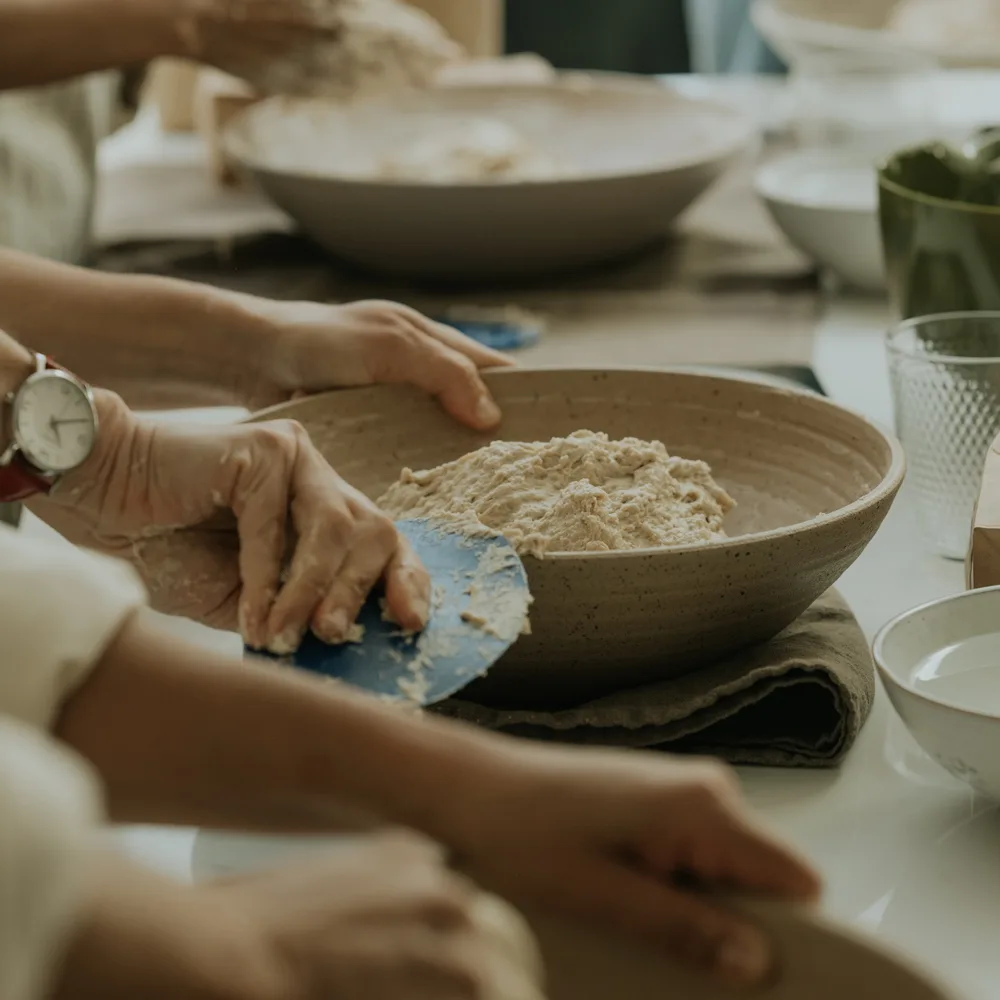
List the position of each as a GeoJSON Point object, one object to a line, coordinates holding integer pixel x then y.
{"type": "Point", "coordinates": [582, 493]}
{"type": "Point", "coordinates": [471, 151]}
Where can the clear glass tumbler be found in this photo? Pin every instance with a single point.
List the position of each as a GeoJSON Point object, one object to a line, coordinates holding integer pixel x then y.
{"type": "Point", "coordinates": [945, 373]}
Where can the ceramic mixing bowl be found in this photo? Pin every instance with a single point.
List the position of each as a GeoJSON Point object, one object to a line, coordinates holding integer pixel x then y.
{"type": "Point", "coordinates": [941, 668]}
{"type": "Point", "coordinates": [813, 483]}
{"type": "Point", "coordinates": [637, 155]}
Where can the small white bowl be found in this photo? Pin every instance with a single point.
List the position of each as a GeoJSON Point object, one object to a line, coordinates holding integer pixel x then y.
{"type": "Point", "coordinates": [941, 668]}
{"type": "Point", "coordinates": [827, 205]}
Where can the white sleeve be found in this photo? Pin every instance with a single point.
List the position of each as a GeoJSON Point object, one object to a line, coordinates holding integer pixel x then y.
{"type": "Point", "coordinates": [60, 608]}
{"type": "Point", "coordinates": [49, 809]}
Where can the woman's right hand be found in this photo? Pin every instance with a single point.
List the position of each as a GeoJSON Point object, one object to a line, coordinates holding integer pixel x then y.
{"type": "Point", "coordinates": [385, 920]}
{"type": "Point", "coordinates": [241, 36]}
{"type": "Point", "coordinates": [379, 919]}
{"type": "Point", "coordinates": [292, 46]}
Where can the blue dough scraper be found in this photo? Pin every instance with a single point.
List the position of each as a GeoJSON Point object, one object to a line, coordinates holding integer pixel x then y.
{"type": "Point", "coordinates": [479, 607]}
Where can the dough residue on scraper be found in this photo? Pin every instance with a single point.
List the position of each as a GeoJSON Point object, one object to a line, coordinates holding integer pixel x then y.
{"type": "Point", "coordinates": [582, 493]}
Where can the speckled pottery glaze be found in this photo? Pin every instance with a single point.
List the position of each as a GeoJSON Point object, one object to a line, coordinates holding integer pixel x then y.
{"type": "Point", "coordinates": [813, 482]}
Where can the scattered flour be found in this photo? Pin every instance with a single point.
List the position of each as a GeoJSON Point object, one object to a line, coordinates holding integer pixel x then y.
{"type": "Point", "coordinates": [360, 47]}
{"type": "Point", "coordinates": [582, 493]}
{"type": "Point", "coordinates": [469, 152]}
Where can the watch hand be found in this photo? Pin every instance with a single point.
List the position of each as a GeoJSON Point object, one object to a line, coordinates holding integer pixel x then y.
{"type": "Point", "coordinates": [54, 428]}
{"type": "Point", "coordinates": [75, 420]}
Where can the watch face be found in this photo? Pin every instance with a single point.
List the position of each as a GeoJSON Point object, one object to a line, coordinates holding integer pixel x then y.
{"type": "Point", "coordinates": [55, 425]}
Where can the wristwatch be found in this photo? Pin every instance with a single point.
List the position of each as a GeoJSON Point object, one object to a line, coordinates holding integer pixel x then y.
{"type": "Point", "coordinates": [49, 425]}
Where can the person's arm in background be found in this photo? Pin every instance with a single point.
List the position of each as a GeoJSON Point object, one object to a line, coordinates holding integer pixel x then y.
{"type": "Point", "coordinates": [45, 41]}
{"type": "Point", "coordinates": [160, 342]}
{"type": "Point", "coordinates": [155, 341]}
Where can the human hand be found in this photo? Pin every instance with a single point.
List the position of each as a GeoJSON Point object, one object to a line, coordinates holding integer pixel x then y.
{"type": "Point", "coordinates": [385, 920]}
{"type": "Point", "coordinates": [633, 840]}
{"type": "Point", "coordinates": [308, 347]}
{"type": "Point", "coordinates": [380, 920]}
{"type": "Point", "coordinates": [324, 47]}
{"type": "Point", "coordinates": [211, 516]}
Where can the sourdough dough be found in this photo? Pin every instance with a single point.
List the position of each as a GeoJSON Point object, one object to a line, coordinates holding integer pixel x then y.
{"type": "Point", "coordinates": [936, 24]}
{"type": "Point", "coordinates": [471, 151]}
{"type": "Point", "coordinates": [582, 493]}
{"type": "Point", "coordinates": [367, 46]}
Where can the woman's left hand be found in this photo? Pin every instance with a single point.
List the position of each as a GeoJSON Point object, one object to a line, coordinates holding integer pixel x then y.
{"type": "Point", "coordinates": [309, 347]}
{"type": "Point", "coordinates": [634, 841]}
{"type": "Point", "coordinates": [242, 525]}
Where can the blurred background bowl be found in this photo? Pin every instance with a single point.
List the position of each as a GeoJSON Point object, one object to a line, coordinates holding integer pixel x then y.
{"type": "Point", "coordinates": [813, 483]}
{"type": "Point", "coordinates": [827, 206]}
{"type": "Point", "coordinates": [642, 154]}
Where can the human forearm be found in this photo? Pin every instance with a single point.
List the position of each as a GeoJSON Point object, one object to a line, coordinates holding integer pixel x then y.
{"type": "Point", "coordinates": [140, 935]}
{"type": "Point", "coordinates": [155, 341]}
{"type": "Point", "coordinates": [44, 41]}
{"type": "Point", "coordinates": [16, 364]}
{"type": "Point", "coordinates": [183, 736]}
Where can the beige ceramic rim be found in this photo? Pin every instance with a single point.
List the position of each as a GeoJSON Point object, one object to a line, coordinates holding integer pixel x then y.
{"type": "Point", "coordinates": [889, 674]}
{"type": "Point", "coordinates": [887, 487]}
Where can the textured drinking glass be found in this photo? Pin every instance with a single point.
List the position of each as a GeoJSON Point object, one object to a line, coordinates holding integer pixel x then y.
{"type": "Point", "coordinates": [945, 373]}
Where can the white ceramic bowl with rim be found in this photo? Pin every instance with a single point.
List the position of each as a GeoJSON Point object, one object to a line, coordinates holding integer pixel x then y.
{"type": "Point", "coordinates": [826, 204]}
{"type": "Point", "coordinates": [940, 665]}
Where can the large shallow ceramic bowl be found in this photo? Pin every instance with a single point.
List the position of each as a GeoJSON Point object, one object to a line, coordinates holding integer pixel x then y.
{"type": "Point", "coordinates": [827, 206]}
{"type": "Point", "coordinates": [641, 155]}
{"type": "Point", "coordinates": [941, 667]}
{"type": "Point", "coordinates": [800, 29]}
{"type": "Point", "coordinates": [813, 483]}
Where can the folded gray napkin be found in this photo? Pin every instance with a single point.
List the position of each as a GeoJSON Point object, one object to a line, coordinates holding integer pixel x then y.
{"type": "Point", "coordinates": [799, 700]}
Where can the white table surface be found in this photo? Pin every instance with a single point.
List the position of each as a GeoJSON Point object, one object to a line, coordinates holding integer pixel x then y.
{"type": "Point", "coordinates": [909, 854]}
